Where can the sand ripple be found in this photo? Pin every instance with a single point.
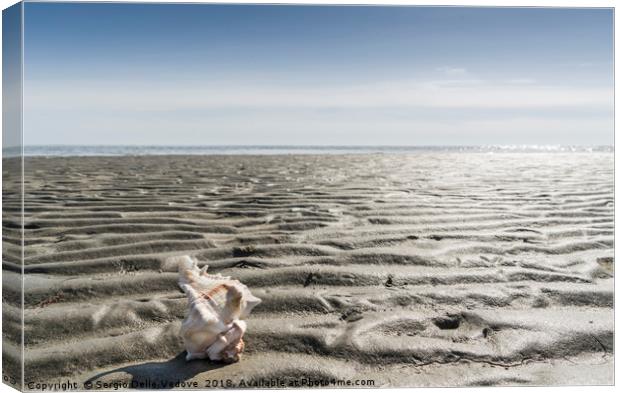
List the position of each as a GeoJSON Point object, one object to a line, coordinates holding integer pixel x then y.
{"type": "Point", "coordinates": [413, 270]}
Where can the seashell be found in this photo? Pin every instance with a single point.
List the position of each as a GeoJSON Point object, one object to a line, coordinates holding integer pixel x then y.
{"type": "Point", "coordinates": [214, 325]}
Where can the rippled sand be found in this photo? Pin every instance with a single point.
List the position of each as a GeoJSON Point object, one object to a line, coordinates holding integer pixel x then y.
{"type": "Point", "coordinates": [434, 269]}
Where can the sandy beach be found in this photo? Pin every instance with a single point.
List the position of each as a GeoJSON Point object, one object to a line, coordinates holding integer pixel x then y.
{"type": "Point", "coordinates": [387, 270]}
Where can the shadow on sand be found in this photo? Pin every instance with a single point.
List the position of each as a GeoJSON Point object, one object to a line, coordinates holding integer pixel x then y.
{"type": "Point", "coordinates": [157, 375]}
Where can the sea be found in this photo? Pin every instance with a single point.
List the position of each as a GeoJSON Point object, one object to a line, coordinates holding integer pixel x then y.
{"type": "Point", "coordinates": [146, 150]}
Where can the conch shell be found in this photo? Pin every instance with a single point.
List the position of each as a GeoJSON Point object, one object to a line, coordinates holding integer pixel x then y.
{"type": "Point", "coordinates": [214, 326]}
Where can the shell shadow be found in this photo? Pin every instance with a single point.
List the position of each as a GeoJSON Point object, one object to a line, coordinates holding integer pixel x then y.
{"type": "Point", "coordinates": [157, 375]}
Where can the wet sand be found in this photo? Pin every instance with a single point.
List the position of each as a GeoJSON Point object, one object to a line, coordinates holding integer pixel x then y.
{"type": "Point", "coordinates": [440, 269]}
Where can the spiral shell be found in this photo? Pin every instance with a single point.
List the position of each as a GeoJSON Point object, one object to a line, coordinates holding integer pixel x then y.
{"type": "Point", "coordinates": [213, 327]}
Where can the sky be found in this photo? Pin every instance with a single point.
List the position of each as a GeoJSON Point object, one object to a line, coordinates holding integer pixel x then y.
{"type": "Point", "coordinates": [11, 77]}
{"type": "Point", "coordinates": [182, 74]}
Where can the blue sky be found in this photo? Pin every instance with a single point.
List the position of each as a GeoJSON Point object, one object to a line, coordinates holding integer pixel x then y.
{"type": "Point", "coordinates": [240, 74]}
{"type": "Point", "coordinates": [11, 77]}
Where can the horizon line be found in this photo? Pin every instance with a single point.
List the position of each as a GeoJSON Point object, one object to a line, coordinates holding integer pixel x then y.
{"type": "Point", "coordinates": [310, 145]}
